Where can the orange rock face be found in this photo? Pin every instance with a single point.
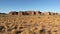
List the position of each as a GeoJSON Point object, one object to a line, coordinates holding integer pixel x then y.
{"type": "Point", "coordinates": [30, 22]}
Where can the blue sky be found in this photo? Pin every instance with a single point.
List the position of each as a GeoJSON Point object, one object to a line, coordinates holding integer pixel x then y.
{"type": "Point", "coordinates": [17, 5]}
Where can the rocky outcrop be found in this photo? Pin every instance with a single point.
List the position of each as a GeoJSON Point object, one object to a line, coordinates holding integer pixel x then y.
{"type": "Point", "coordinates": [32, 13]}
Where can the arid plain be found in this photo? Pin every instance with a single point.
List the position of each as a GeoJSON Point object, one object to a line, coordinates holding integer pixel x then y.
{"type": "Point", "coordinates": [30, 22]}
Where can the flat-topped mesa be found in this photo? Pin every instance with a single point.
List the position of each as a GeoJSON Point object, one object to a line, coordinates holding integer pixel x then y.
{"type": "Point", "coordinates": [26, 13]}
{"type": "Point", "coordinates": [32, 13]}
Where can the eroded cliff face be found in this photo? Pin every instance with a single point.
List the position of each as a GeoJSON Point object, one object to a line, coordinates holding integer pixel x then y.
{"type": "Point", "coordinates": [33, 23]}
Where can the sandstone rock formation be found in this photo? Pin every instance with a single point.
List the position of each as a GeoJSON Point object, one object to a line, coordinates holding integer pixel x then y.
{"type": "Point", "coordinates": [30, 22]}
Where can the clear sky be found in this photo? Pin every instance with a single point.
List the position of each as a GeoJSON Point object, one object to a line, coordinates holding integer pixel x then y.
{"type": "Point", "coordinates": [17, 5]}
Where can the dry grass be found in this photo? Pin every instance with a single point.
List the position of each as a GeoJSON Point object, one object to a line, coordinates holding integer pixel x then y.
{"type": "Point", "coordinates": [48, 24]}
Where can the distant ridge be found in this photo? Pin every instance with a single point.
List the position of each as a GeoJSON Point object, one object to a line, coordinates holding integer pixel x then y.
{"type": "Point", "coordinates": [30, 13]}
{"type": "Point", "coordinates": [3, 14]}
